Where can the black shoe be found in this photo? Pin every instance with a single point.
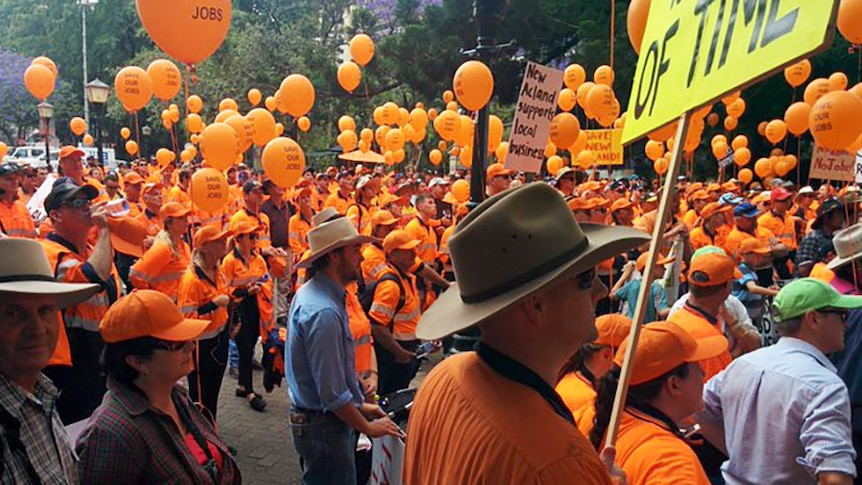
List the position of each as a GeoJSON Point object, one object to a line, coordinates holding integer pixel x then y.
{"type": "Point", "coordinates": [240, 392]}
{"type": "Point", "coordinates": [257, 403]}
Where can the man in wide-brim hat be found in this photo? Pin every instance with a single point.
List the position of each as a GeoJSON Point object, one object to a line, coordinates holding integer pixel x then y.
{"type": "Point", "coordinates": [29, 331]}
{"type": "Point", "coordinates": [327, 403]}
{"type": "Point", "coordinates": [526, 277]}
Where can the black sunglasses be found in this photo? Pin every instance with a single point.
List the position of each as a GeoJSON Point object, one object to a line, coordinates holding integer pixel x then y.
{"type": "Point", "coordinates": [173, 346]}
{"type": "Point", "coordinates": [585, 280]}
{"type": "Point", "coordinates": [842, 314]}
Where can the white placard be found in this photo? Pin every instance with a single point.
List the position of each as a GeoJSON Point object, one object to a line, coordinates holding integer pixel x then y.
{"type": "Point", "coordinates": [859, 167]}
{"type": "Point", "coordinates": [36, 205]}
{"type": "Point", "coordinates": [387, 460]}
{"type": "Point", "coordinates": [537, 105]}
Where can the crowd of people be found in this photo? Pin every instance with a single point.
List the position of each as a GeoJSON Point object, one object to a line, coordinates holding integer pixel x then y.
{"type": "Point", "coordinates": [125, 304]}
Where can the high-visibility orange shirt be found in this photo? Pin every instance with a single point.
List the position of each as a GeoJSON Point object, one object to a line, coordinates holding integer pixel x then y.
{"type": "Point", "coordinates": [15, 220]}
{"type": "Point", "coordinates": [698, 237]}
{"type": "Point", "coordinates": [135, 208]}
{"type": "Point", "coordinates": [360, 327]}
{"type": "Point", "coordinates": [177, 194]}
{"type": "Point", "coordinates": [387, 295]}
{"type": "Point", "coordinates": [471, 425]}
{"type": "Point", "coordinates": [821, 272]}
{"type": "Point", "coordinates": [735, 238]}
{"type": "Point", "coordinates": [235, 198]}
{"type": "Point", "coordinates": [259, 219]}
{"type": "Point", "coordinates": [297, 233]}
{"type": "Point", "coordinates": [585, 417]}
{"type": "Point", "coordinates": [690, 218]}
{"type": "Point", "coordinates": [427, 237]}
{"type": "Point", "coordinates": [153, 222]}
{"type": "Point", "coordinates": [575, 391]}
{"type": "Point", "coordinates": [444, 245]}
{"type": "Point", "coordinates": [360, 216]}
{"type": "Point", "coordinates": [783, 228]}
{"type": "Point", "coordinates": [160, 269]}
{"type": "Point", "coordinates": [338, 201]}
{"type": "Point", "coordinates": [650, 453]}
{"type": "Point", "coordinates": [196, 294]}
{"type": "Point", "coordinates": [24, 197]}
{"type": "Point", "coordinates": [203, 218]}
{"type": "Point", "coordinates": [241, 273]}
{"type": "Point", "coordinates": [699, 327]}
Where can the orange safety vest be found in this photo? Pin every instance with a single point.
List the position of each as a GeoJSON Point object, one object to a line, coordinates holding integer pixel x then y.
{"type": "Point", "coordinates": [297, 234]}
{"type": "Point", "coordinates": [360, 327]}
{"type": "Point", "coordinates": [160, 269]}
{"type": "Point", "coordinates": [373, 262]}
{"type": "Point", "coordinates": [240, 273]}
{"type": "Point", "coordinates": [70, 267]}
{"type": "Point", "coordinates": [735, 238]}
{"type": "Point", "coordinates": [337, 201]}
{"type": "Point", "coordinates": [259, 219]}
{"type": "Point", "coordinates": [153, 224]}
{"type": "Point", "coordinates": [360, 216]}
{"type": "Point", "coordinates": [699, 238]}
{"type": "Point", "coordinates": [427, 248]}
{"type": "Point", "coordinates": [386, 298]}
{"type": "Point", "coordinates": [784, 228]}
{"type": "Point", "coordinates": [15, 220]}
{"type": "Point", "coordinates": [197, 291]}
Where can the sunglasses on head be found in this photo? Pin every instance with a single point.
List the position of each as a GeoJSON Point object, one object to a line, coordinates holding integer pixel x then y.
{"type": "Point", "coordinates": [77, 203]}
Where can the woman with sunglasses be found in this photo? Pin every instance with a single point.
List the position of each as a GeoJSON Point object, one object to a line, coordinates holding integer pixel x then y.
{"type": "Point", "coordinates": [249, 284]}
{"type": "Point", "coordinates": [203, 294]}
{"type": "Point", "coordinates": [163, 265]}
{"type": "Point", "coordinates": [147, 430]}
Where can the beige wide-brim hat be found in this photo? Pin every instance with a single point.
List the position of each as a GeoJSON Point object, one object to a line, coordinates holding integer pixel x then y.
{"type": "Point", "coordinates": [330, 236]}
{"type": "Point", "coordinates": [24, 268]}
{"type": "Point", "coordinates": [848, 246]}
{"type": "Point", "coordinates": [512, 245]}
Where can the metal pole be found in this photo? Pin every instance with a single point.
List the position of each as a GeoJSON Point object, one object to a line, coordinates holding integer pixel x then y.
{"type": "Point", "coordinates": [97, 120]}
{"type": "Point", "coordinates": [47, 142]}
{"type": "Point", "coordinates": [84, 56]}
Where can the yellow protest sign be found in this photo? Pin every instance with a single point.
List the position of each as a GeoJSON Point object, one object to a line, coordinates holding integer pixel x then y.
{"type": "Point", "coordinates": [695, 51]}
{"type": "Point", "coordinates": [606, 145]}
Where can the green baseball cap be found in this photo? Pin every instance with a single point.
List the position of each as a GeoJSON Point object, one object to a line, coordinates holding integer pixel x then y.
{"type": "Point", "coordinates": [807, 294]}
{"type": "Point", "coordinates": [708, 250]}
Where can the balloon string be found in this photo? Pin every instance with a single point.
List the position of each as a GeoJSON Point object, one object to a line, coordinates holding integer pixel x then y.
{"type": "Point", "coordinates": [137, 134]}
{"type": "Point", "coordinates": [859, 64]}
{"type": "Point", "coordinates": [798, 159]}
{"type": "Point", "coordinates": [613, 18]}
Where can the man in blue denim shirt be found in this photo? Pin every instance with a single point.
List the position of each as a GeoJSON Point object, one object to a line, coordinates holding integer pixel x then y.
{"type": "Point", "coordinates": [327, 401]}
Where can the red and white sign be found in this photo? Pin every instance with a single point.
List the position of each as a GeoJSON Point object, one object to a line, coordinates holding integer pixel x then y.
{"type": "Point", "coordinates": [387, 460]}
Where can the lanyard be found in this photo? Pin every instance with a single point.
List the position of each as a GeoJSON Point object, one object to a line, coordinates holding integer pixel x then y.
{"type": "Point", "coordinates": [515, 371]}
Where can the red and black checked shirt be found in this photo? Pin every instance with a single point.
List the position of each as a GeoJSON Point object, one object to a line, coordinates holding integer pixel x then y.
{"type": "Point", "coordinates": [129, 442]}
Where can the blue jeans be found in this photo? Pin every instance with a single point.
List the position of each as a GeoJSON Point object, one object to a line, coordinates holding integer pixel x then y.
{"type": "Point", "coordinates": [233, 354]}
{"type": "Point", "coordinates": [327, 447]}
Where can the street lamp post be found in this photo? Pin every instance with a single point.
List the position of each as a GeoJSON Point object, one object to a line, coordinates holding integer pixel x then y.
{"type": "Point", "coordinates": [146, 132]}
{"type": "Point", "coordinates": [84, 5]}
{"type": "Point", "coordinates": [97, 95]}
{"type": "Point", "coordinates": [46, 112]}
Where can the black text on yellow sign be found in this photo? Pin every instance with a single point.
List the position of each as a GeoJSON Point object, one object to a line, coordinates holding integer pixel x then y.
{"type": "Point", "coordinates": [695, 51]}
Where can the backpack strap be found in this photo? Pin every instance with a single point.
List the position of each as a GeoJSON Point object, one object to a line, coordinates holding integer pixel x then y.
{"type": "Point", "coordinates": [401, 297]}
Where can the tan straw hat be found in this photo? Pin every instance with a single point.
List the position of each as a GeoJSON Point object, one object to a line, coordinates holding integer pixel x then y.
{"type": "Point", "coordinates": [848, 246]}
{"type": "Point", "coordinates": [24, 268]}
{"type": "Point", "coordinates": [330, 236]}
{"type": "Point", "coordinates": [325, 215]}
{"type": "Point", "coordinates": [513, 245]}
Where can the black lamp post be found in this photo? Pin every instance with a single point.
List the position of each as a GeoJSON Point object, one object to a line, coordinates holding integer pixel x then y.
{"type": "Point", "coordinates": [97, 95]}
{"type": "Point", "coordinates": [46, 112]}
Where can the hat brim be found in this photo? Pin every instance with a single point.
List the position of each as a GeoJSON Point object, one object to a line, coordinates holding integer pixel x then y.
{"type": "Point", "coordinates": [847, 302]}
{"type": "Point", "coordinates": [837, 262]}
{"type": "Point", "coordinates": [188, 329]}
{"type": "Point", "coordinates": [66, 294]}
{"type": "Point", "coordinates": [307, 262]}
{"type": "Point", "coordinates": [709, 347]}
{"type": "Point", "coordinates": [450, 314]}
{"type": "Point", "coordinates": [409, 245]}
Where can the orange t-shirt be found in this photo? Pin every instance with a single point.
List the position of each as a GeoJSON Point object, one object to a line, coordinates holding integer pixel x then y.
{"type": "Point", "coordinates": [649, 453]}
{"type": "Point", "coordinates": [699, 327]}
{"type": "Point", "coordinates": [373, 262]}
{"type": "Point", "coordinates": [699, 238]}
{"type": "Point", "coordinates": [16, 221]}
{"type": "Point", "coordinates": [427, 237]}
{"type": "Point", "coordinates": [471, 425]}
{"type": "Point", "coordinates": [784, 228]}
{"type": "Point", "coordinates": [735, 238]}
{"type": "Point", "coordinates": [338, 202]}
{"type": "Point", "coordinates": [575, 391]}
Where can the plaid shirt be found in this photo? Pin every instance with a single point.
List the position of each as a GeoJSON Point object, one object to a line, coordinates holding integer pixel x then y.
{"type": "Point", "coordinates": [129, 442]}
{"type": "Point", "coordinates": [810, 247]}
{"type": "Point", "coordinates": [32, 437]}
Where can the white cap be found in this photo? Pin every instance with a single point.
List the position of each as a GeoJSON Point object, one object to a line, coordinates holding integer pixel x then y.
{"type": "Point", "coordinates": [437, 181]}
{"type": "Point", "coordinates": [806, 190]}
{"type": "Point", "coordinates": [363, 181]}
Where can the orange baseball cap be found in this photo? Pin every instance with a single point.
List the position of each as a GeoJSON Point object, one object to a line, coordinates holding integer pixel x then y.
{"type": "Point", "coordinates": [173, 209]}
{"type": "Point", "coordinates": [596, 202]}
{"type": "Point", "coordinates": [664, 346]}
{"type": "Point", "coordinates": [613, 329]}
{"type": "Point", "coordinates": [68, 151]}
{"type": "Point", "coordinates": [382, 218]}
{"type": "Point", "coordinates": [399, 239]}
{"type": "Point", "coordinates": [209, 234]}
{"type": "Point", "coordinates": [132, 178]}
{"type": "Point", "coordinates": [713, 188]}
{"type": "Point", "coordinates": [761, 197]}
{"type": "Point", "coordinates": [243, 226]}
{"type": "Point", "coordinates": [496, 170]}
{"type": "Point", "coordinates": [386, 198]}
{"type": "Point", "coordinates": [148, 313]}
{"type": "Point", "coordinates": [620, 204]}
{"type": "Point", "coordinates": [753, 245]}
{"type": "Point", "coordinates": [640, 264]}
{"type": "Point", "coordinates": [150, 187]}
{"type": "Point", "coordinates": [590, 186]}
{"type": "Point", "coordinates": [579, 203]}
{"type": "Point", "coordinates": [712, 269]}
{"type": "Point", "coordinates": [730, 186]}
{"type": "Point", "coordinates": [714, 208]}
{"type": "Point", "coordinates": [700, 195]}
{"type": "Point", "coordinates": [127, 235]}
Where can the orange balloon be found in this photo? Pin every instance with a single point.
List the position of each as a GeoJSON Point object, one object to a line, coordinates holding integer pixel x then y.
{"type": "Point", "coordinates": [838, 81]}
{"type": "Point", "coordinates": [798, 73]}
{"type": "Point", "coordinates": [502, 152]}
{"type": "Point", "coordinates": [586, 159]}
{"type": "Point", "coordinates": [270, 103]}
{"type": "Point", "coordinates": [741, 156]}
{"type": "Point", "coordinates": [718, 139]}
{"type": "Point", "coordinates": [225, 114]}
{"type": "Point", "coordinates": [194, 103]}
{"type": "Point", "coordinates": [254, 96]}
{"type": "Point", "coordinates": [834, 120]}
{"type": "Point", "coordinates": [244, 129]}
{"type": "Point", "coordinates": [664, 133]}
{"type": "Point", "coordinates": [815, 90]}
{"type": "Point", "coordinates": [296, 94]}
{"type": "Point", "coordinates": [580, 143]}
{"type": "Point", "coordinates": [791, 161]}
{"type": "Point", "coordinates": [745, 176]}
{"type": "Point", "coordinates": [131, 147]}
{"type": "Point", "coordinates": [712, 119]}
{"type": "Point", "coordinates": [78, 125]}
{"type": "Point", "coordinates": [574, 76]}
{"type": "Point", "coordinates": [849, 17]}
{"type": "Point", "coordinates": [188, 30]}
{"type": "Point", "coordinates": [473, 85]}
{"type": "Point", "coordinates": [209, 189]}
{"type": "Point", "coordinates": [583, 93]}
{"type": "Point", "coordinates": [604, 75]}
{"type": "Point", "coordinates": [720, 150]}
{"type": "Point", "coordinates": [740, 141]}
{"type": "Point", "coordinates": [660, 166]}
{"type": "Point", "coordinates": [304, 123]}
{"type": "Point", "coordinates": [448, 96]}
{"type": "Point", "coordinates": [361, 49]}
{"type": "Point", "coordinates": [567, 99]}
{"type": "Point", "coordinates": [495, 132]}
{"type": "Point", "coordinates": [47, 62]}
{"type": "Point", "coordinates": [133, 87]}
{"type": "Point", "coordinates": [219, 145]}
{"type": "Point", "coordinates": [730, 98]}
{"type": "Point", "coordinates": [796, 117]}
{"type": "Point", "coordinates": [730, 123]}
{"type": "Point", "coordinates": [554, 164]}
{"type": "Point", "coordinates": [194, 123]}
{"type": "Point", "coordinates": [435, 156]}
{"type": "Point", "coordinates": [465, 156]}
{"type": "Point", "coordinates": [780, 167]}
{"type": "Point", "coordinates": [447, 125]}
{"type": "Point", "coordinates": [39, 81]}
{"type": "Point", "coordinates": [600, 101]}
{"type": "Point", "coordinates": [347, 140]}
{"type": "Point", "coordinates": [736, 108]}
{"type": "Point", "coordinates": [166, 79]}
{"type": "Point", "coordinates": [349, 76]}
{"type": "Point", "coordinates": [164, 156]}
{"type": "Point", "coordinates": [264, 126]}
{"type": "Point", "coordinates": [283, 161]}
{"type": "Point", "coordinates": [763, 167]}
{"type": "Point", "coordinates": [761, 128]}
{"type": "Point", "coordinates": [636, 22]}
{"type": "Point", "coordinates": [88, 141]}
{"type": "Point", "coordinates": [564, 130]}
{"type": "Point", "coordinates": [654, 150]}
{"type": "Point", "coordinates": [857, 90]}
{"type": "Point", "coordinates": [125, 133]}
{"type": "Point", "coordinates": [461, 190]}
{"type": "Point", "coordinates": [228, 104]}
{"type": "Point", "coordinates": [776, 130]}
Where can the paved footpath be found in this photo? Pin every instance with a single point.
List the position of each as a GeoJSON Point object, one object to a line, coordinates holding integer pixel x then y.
{"type": "Point", "coordinates": [265, 451]}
